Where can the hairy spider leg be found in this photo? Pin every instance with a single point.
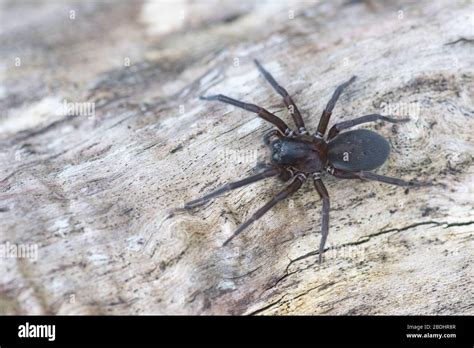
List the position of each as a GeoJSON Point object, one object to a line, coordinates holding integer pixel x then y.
{"type": "Point", "coordinates": [363, 175]}
{"type": "Point", "coordinates": [269, 172]}
{"type": "Point", "coordinates": [289, 190]}
{"type": "Point", "coordinates": [261, 112]}
{"type": "Point", "coordinates": [323, 193]}
{"type": "Point", "coordinates": [334, 131]}
{"type": "Point", "coordinates": [323, 122]}
{"type": "Point", "coordinates": [290, 104]}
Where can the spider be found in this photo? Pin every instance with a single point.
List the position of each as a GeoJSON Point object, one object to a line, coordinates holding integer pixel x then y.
{"type": "Point", "coordinates": [298, 155]}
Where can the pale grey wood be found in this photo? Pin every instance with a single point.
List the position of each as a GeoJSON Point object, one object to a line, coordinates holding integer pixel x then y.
{"type": "Point", "coordinates": [92, 193]}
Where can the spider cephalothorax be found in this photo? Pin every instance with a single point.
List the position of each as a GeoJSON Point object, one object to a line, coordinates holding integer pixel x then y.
{"type": "Point", "coordinates": [297, 155]}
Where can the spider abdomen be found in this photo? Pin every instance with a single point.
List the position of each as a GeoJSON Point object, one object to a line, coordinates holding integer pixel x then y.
{"type": "Point", "coordinates": [358, 150]}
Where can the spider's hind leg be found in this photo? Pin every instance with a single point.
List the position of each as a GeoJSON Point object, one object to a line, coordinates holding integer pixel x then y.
{"type": "Point", "coordinates": [323, 122]}
{"type": "Point", "coordinates": [323, 193]}
{"type": "Point", "coordinates": [334, 131]}
{"type": "Point", "coordinates": [363, 175]}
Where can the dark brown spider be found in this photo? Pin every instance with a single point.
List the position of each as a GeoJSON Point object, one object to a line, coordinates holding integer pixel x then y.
{"type": "Point", "coordinates": [297, 155]}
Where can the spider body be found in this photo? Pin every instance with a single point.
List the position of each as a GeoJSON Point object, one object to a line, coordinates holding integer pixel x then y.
{"type": "Point", "coordinates": [304, 153]}
{"type": "Point", "coordinates": [358, 150]}
{"type": "Point", "coordinates": [298, 155]}
{"type": "Point", "coordinates": [355, 150]}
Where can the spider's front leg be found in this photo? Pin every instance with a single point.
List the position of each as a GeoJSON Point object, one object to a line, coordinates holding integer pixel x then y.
{"type": "Point", "coordinates": [323, 193]}
{"type": "Point", "coordinates": [290, 104]}
{"type": "Point", "coordinates": [268, 172]}
{"type": "Point", "coordinates": [261, 112]}
{"type": "Point", "coordinates": [289, 190]}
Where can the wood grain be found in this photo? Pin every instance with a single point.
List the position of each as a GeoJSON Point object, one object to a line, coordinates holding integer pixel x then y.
{"type": "Point", "coordinates": [93, 191]}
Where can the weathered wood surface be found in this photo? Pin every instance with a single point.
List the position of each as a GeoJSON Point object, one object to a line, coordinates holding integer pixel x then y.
{"type": "Point", "coordinates": [92, 192]}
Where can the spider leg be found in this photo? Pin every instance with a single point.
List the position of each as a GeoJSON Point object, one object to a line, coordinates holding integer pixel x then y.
{"type": "Point", "coordinates": [290, 189]}
{"type": "Point", "coordinates": [360, 120]}
{"type": "Point", "coordinates": [269, 172]}
{"type": "Point", "coordinates": [323, 193]}
{"type": "Point", "coordinates": [375, 177]}
{"type": "Point", "coordinates": [323, 122]}
{"type": "Point", "coordinates": [261, 112]}
{"type": "Point", "coordinates": [267, 137]}
{"type": "Point", "coordinates": [290, 104]}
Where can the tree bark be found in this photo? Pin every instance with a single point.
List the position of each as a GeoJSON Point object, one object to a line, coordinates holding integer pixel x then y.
{"type": "Point", "coordinates": [102, 134]}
